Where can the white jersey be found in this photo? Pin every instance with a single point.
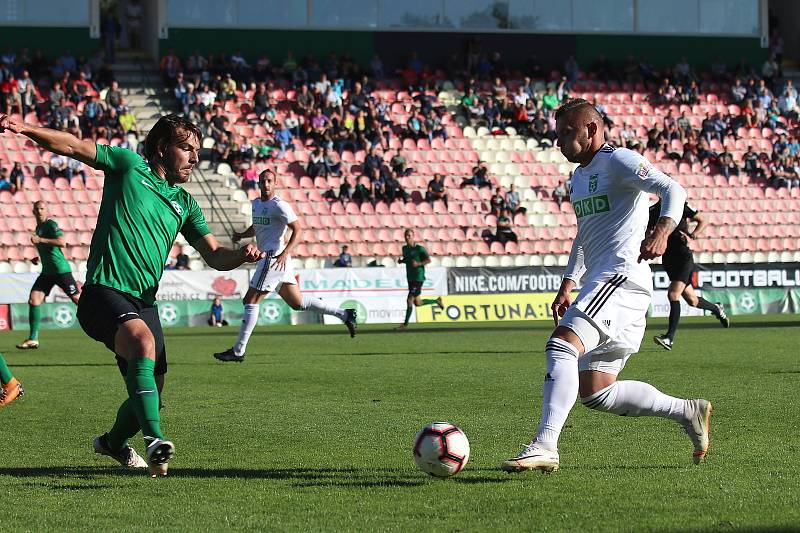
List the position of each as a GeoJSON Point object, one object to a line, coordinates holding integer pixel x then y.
{"type": "Point", "coordinates": [610, 197]}
{"type": "Point", "coordinates": [270, 219]}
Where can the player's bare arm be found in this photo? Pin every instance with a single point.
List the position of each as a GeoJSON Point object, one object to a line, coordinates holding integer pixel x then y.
{"type": "Point", "coordinates": [563, 299]}
{"type": "Point", "coordinates": [655, 244]}
{"type": "Point", "coordinates": [59, 142]}
{"type": "Point", "coordinates": [58, 241]}
{"type": "Point", "coordinates": [222, 258]}
{"type": "Point", "coordinates": [246, 234]}
{"type": "Point", "coordinates": [280, 259]}
{"type": "Point", "coordinates": [702, 224]}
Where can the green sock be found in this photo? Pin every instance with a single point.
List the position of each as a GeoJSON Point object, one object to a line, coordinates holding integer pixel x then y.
{"type": "Point", "coordinates": [143, 394]}
{"type": "Point", "coordinates": [5, 373]}
{"type": "Point", "coordinates": [125, 426]}
{"type": "Point", "coordinates": [430, 301]}
{"type": "Point", "coordinates": [34, 318]}
{"type": "Point", "coordinates": [409, 309]}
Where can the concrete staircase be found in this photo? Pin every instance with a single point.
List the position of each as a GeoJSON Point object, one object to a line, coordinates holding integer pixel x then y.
{"type": "Point", "coordinates": [149, 99]}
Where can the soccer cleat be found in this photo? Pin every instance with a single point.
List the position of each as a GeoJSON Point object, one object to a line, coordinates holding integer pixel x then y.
{"type": "Point", "coordinates": [28, 344]}
{"type": "Point", "coordinates": [10, 392]}
{"type": "Point", "coordinates": [532, 457]}
{"type": "Point", "coordinates": [663, 341]}
{"type": "Point", "coordinates": [439, 302]}
{"type": "Point", "coordinates": [159, 452]}
{"type": "Point", "coordinates": [698, 426]}
{"type": "Point", "coordinates": [721, 316]}
{"type": "Point", "coordinates": [229, 355]}
{"type": "Point", "coordinates": [401, 327]}
{"type": "Point", "coordinates": [350, 316]}
{"type": "Point", "coordinates": [127, 456]}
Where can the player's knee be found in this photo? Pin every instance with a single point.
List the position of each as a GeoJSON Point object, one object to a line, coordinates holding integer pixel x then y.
{"type": "Point", "coordinates": [691, 300]}
{"type": "Point", "coordinates": [137, 342]}
{"type": "Point", "coordinates": [673, 296]}
{"type": "Point", "coordinates": [33, 302]}
{"type": "Point", "coordinates": [601, 399]}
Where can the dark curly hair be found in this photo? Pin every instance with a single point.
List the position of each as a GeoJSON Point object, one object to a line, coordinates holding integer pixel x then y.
{"type": "Point", "coordinates": [170, 129]}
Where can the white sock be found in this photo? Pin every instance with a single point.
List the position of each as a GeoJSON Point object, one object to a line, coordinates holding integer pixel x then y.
{"type": "Point", "coordinates": [636, 398]}
{"type": "Point", "coordinates": [559, 391]}
{"type": "Point", "coordinates": [248, 324]}
{"type": "Point", "coordinates": [318, 306]}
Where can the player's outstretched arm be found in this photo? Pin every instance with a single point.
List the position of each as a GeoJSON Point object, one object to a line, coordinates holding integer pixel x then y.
{"type": "Point", "coordinates": [246, 234]}
{"type": "Point", "coordinates": [702, 224]}
{"type": "Point", "coordinates": [222, 258]}
{"type": "Point", "coordinates": [52, 140]}
{"type": "Point", "coordinates": [59, 242]}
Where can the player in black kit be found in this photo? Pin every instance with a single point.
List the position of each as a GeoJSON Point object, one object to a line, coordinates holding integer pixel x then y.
{"type": "Point", "coordinates": [679, 265]}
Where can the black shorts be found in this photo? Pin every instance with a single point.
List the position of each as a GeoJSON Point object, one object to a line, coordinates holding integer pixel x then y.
{"type": "Point", "coordinates": [415, 288]}
{"type": "Point", "coordinates": [45, 283]}
{"type": "Point", "coordinates": [101, 310]}
{"type": "Point", "coordinates": [679, 267]}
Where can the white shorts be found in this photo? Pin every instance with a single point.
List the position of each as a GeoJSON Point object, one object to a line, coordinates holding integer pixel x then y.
{"type": "Point", "coordinates": [266, 279]}
{"type": "Point", "coordinates": [609, 317]}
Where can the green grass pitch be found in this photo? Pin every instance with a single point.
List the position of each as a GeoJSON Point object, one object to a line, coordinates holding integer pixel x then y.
{"type": "Point", "coordinates": [314, 430]}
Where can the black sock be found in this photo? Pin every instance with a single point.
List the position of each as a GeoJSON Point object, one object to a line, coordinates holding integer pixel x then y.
{"type": "Point", "coordinates": [702, 303]}
{"type": "Point", "coordinates": [674, 317]}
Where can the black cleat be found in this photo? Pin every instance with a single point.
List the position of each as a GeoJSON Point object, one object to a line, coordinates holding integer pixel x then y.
{"type": "Point", "coordinates": [350, 321]}
{"type": "Point", "coordinates": [721, 316]}
{"type": "Point", "coordinates": [663, 341]}
{"type": "Point", "coordinates": [229, 355]}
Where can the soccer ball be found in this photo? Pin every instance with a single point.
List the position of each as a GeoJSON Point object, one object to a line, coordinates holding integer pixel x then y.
{"type": "Point", "coordinates": [441, 449]}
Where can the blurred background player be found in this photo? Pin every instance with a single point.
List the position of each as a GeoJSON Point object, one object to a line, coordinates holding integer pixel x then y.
{"type": "Point", "coordinates": [678, 262]}
{"type": "Point", "coordinates": [271, 217]}
{"type": "Point", "coordinates": [11, 388]}
{"type": "Point", "coordinates": [217, 318]}
{"type": "Point", "coordinates": [49, 240]}
{"type": "Point", "coordinates": [415, 257]}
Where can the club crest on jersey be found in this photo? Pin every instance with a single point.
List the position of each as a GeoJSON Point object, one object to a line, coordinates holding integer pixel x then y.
{"type": "Point", "coordinates": [176, 206]}
{"type": "Point", "coordinates": [592, 183]}
{"type": "Point", "coordinates": [592, 205]}
{"type": "Point", "coordinates": [644, 169]}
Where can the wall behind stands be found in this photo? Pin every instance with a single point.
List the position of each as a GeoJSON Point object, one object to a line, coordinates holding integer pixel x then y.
{"type": "Point", "coordinates": [438, 48]}
{"type": "Point", "coordinates": [52, 41]}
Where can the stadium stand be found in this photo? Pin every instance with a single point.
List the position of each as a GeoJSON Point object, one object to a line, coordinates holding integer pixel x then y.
{"type": "Point", "coordinates": [736, 156]}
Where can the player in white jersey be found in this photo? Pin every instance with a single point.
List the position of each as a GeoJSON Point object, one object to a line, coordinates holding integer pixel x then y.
{"type": "Point", "coordinates": [271, 217]}
{"type": "Point", "coordinates": [606, 322]}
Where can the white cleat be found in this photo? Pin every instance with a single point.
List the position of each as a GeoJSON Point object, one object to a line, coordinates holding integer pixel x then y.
{"type": "Point", "coordinates": [698, 426]}
{"type": "Point", "coordinates": [159, 452]}
{"type": "Point", "coordinates": [532, 457]}
{"type": "Point", "coordinates": [127, 456]}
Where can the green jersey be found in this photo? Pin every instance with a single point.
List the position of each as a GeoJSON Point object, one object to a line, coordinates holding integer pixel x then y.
{"type": "Point", "coordinates": [53, 260]}
{"type": "Point", "coordinates": [140, 216]}
{"type": "Point", "coordinates": [415, 253]}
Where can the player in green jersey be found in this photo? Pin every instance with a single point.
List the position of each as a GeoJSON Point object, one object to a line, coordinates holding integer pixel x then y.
{"type": "Point", "coordinates": [49, 240]}
{"type": "Point", "coordinates": [10, 389]}
{"type": "Point", "coordinates": [142, 211]}
{"type": "Point", "coordinates": [415, 257]}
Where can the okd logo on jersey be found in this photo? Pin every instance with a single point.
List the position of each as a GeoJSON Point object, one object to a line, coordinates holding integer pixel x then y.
{"type": "Point", "coordinates": [591, 206]}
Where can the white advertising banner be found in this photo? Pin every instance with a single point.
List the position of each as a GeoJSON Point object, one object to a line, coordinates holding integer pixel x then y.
{"type": "Point", "coordinates": [660, 305]}
{"type": "Point", "coordinates": [202, 284]}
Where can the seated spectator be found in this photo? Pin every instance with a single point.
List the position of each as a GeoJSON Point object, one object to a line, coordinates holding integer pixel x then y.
{"type": "Point", "coordinates": [249, 179]}
{"type": "Point", "coordinates": [372, 164]}
{"type": "Point", "coordinates": [17, 178]}
{"type": "Point", "coordinates": [345, 190]}
{"type": "Point", "coordinates": [217, 318]}
{"type": "Point", "coordinates": [59, 166]}
{"type": "Point", "coordinates": [182, 261]}
{"type": "Point", "coordinates": [127, 121]}
{"type": "Point", "coordinates": [505, 232]}
{"type": "Point", "coordinates": [560, 193]}
{"type": "Point", "coordinates": [436, 190]}
{"type": "Point", "coordinates": [738, 92]}
{"type": "Point", "coordinates": [513, 201]}
{"type": "Point", "coordinates": [316, 163]}
{"type": "Point", "coordinates": [392, 190]}
{"type": "Point", "coordinates": [728, 166]}
{"type": "Point", "coordinates": [75, 168]}
{"type": "Point", "coordinates": [362, 192]}
{"type": "Point", "coordinates": [283, 138]}
{"type": "Point", "coordinates": [550, 100]}
{"type": "Point", "coordinates": [331, 166]}
{"type": "Point", "coordinates": [470, 104]}
{"type": "Point", "coordinates": [398, 164]}
{"type": "Point", "coordinates": [221, 153]}
{"type": "Point", "coordinates": [114, 96]}
{"type": "Point", "coordinates": [345, 259]}
{"type": "Point", "coordinates": [5, 181]}
{"type": "Point", "coordinates": [497, 202]}
{"type": "Point", "coordinates": [479, 176]}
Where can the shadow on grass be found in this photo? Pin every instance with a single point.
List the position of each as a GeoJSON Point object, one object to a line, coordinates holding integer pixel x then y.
{"type": "Point", "coordinates": [304, 477]}
{"type": "Point", "coordinates": [387, 328]}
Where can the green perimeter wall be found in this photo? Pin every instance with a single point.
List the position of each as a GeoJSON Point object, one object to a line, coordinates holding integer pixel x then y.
{"type": "Point", "coordinates": [665, 51]}
{"type": "Point", "coordinates": [274, 42]}
{"type": "Point", "coordinates": [51, 41]}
